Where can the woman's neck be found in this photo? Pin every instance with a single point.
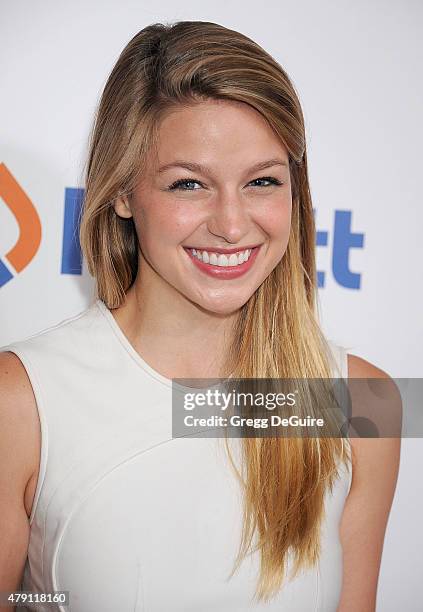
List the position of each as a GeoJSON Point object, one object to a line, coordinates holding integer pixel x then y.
{"type": "Point", "coordinates": [174, 336]}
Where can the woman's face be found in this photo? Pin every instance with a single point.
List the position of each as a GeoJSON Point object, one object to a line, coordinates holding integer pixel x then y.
{"type": "Point", "coordinates": [206, 191]}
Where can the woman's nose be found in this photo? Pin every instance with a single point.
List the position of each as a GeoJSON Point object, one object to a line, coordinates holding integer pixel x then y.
{"type": "Point", "coordinates": [229, 219]}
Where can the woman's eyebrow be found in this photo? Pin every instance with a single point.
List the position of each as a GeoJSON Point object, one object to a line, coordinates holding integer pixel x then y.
{"type": "Point", "coordinates": [195, 167]}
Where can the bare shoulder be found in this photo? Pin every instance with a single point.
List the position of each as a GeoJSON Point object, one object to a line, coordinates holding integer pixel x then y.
{"type": "Point", "coordinates": [379, 452]}
{"type": "Point", "coordinates": [379, 400]}
{"type": "Point", "coordinates": [375, 466]}
{"type": "Point", "coordinates": [19, 426]}
{"type": "Point", "coordinates": [19, 437]}
{"type": "Point", "coordinates": [361, 368]}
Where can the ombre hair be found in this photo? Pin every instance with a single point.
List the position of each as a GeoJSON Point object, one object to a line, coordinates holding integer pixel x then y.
{"type": "Point", "coordinates": [277, 335]}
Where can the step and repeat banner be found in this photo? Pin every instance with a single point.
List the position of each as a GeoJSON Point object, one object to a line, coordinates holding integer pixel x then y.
{"type": "Point", "coordinates": [357, 70]}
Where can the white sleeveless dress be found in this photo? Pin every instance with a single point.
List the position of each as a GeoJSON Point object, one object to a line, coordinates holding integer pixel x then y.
{"type": "Point", "coordinates": [126, 518]}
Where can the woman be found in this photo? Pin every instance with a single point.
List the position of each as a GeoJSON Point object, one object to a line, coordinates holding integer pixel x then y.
{"type": "Point", "coordinates": [198, 229]}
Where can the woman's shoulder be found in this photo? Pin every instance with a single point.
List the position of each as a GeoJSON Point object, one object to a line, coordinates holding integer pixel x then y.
{"type": "Point", "coordinates": [377, 420]}
{"type": "Point", "coordinates": [375, 467]}
{"type": "Point", "coordinates": [25, 364]}
{"type": "Point", "coordinates": [74, 325]}
{"type": "Point", "coordinates": [354, 366]}
{"type": "Point", "coordinates": [73, 342]}
{"type": "Point", "coordinates": [361, 368]}
{"type": "Point", "coordinates": [19, 428]}
{"type": "Point", "coordinates": [378, 400]}
{"type": "Point", "coordinates": [16, 395]}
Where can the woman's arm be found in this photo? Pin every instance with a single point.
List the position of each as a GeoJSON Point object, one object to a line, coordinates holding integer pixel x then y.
{"type": "Point", "coordinates": [18, 418]}
{"type": "Point", "coordinates": [367, 507]}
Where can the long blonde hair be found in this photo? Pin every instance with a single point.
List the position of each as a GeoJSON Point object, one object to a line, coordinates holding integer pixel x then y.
{"type": "Point", "coordinates": [277, 335]}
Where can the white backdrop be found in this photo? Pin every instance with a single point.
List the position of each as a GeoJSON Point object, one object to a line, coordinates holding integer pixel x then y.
{"type": "Point", "coordinates": [357, 69]}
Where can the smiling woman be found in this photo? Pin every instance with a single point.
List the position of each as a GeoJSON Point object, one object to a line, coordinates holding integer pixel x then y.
{"type": "Point", "coordinates": [198, 229]}
{"type": "Point", "coordinates": [178, 213]}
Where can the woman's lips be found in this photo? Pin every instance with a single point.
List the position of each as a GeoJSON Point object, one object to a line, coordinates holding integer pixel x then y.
{"type": "Point", "coordinates": [224, 272]}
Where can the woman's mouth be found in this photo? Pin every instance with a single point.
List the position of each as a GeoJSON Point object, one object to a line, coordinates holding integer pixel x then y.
{"type": "Point", "coordinates": [224, 265]}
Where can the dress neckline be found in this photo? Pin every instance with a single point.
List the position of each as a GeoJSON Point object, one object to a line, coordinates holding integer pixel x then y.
{"type": "Point", "coordinates": [136, 357]}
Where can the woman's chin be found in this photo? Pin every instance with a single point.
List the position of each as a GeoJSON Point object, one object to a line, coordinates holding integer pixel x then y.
{"type": "Point", "coordinates": [219, 307]}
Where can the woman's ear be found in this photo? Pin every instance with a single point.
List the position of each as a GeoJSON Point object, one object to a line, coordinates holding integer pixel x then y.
{"type": "Point", "coordinates": [121, 206]}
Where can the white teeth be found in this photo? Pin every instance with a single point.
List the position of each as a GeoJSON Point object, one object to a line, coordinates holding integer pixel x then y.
{"type": "Point", "coordinates": [221, 260]}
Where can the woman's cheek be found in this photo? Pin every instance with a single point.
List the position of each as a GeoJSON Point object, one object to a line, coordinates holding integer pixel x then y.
{"type": "Point", "coordinates": [275, 219]}
{"type": "Point", "coordinates": [176, 219]}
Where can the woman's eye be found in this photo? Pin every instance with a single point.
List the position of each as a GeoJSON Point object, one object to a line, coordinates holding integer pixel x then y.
{"type": "Point", "coordinates": [178, 184]}
{"type": "Point", "coordinates": [183, 183]}
{"type": "Point", "coordinates": [268, 179]}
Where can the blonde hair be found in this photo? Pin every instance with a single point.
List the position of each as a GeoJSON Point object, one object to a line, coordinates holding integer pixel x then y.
{"type": "Point", "coordinates": [277, 334]}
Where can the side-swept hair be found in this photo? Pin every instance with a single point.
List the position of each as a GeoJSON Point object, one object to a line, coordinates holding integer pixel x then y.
{"type": "Point", "coordinates": [284, 480]}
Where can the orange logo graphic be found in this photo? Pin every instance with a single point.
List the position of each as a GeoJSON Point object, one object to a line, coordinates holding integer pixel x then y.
{"type": "Point", "coordinates": [28, 221]}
